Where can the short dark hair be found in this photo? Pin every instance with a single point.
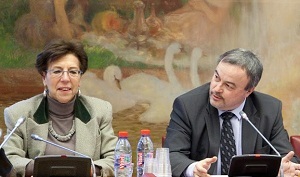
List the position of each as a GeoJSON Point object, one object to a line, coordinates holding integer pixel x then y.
{"type": "Point", "coordinates": [58, 48]}
{"type": "Point", "coordinates": [246, 60]}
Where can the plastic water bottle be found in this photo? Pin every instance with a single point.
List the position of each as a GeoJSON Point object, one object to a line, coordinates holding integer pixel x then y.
{"type": "Point", "coordinates": [123, 156]}
{"type": "Point", "coordinates": [144, 150]}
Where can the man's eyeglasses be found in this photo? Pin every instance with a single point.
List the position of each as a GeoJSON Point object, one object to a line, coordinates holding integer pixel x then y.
{"type": "Point", "coordinates": [58, 73]}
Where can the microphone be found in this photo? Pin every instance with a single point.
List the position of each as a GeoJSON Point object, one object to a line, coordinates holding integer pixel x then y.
{"type": "Point", "coordinates": [20, 121]}
{"type": "Point", "coordinates": [36, 137]}
{"type": "Point", "coordinates": [244, 116]}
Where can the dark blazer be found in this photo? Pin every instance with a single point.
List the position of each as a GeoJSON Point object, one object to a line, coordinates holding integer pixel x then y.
{"type": "Point", "coordinates": [193, 133]}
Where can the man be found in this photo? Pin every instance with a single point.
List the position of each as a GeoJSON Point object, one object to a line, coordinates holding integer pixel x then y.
{"type": "Point", "coordinates": [194, 132]}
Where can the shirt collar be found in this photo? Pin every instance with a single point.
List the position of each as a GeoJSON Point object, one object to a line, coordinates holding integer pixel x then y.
{"type": "Point", "coordinates": [235, 111]}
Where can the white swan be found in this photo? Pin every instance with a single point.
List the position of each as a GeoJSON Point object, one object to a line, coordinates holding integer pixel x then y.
{"type": "Point", "coordinates": [142, 87]}
{"type": "Point", "coordinates": [160, 93]}
{"type": "Point", "coordinates": [161, 104]}
{"type": "Point", "coordinates": [196, 54]}
{"type": "Point", "coordinates": [108, 88]}
{"type": "Point", "coordinates": [174, 48]}
{"type": "Point", "coordinates": [112, 75]}
{"type": "Point", "coordinates": [194, 59]}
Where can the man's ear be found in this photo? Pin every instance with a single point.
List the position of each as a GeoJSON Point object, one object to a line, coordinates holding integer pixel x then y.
{"type": "Point", "coordinates": [250, 91]}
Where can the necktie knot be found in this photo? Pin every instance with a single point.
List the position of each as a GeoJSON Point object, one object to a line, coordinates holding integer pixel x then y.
{"type": "Point", "coordinates": [227, 115]}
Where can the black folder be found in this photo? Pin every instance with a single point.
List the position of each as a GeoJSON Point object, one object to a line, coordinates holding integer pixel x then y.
{"type": "Point", "coordinates": [61, 166]}
{"type": "Point", "coordinates": [255, 165]}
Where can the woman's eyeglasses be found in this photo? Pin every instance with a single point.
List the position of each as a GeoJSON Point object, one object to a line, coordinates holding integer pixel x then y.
{"type": "Point", "coordinates": [58, 72]}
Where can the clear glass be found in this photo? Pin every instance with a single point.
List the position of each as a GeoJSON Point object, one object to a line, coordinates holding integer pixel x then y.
{"type": "Point", "coordinates": [149, 164]}
{"type": "Point", "coordinates": [163, 166]}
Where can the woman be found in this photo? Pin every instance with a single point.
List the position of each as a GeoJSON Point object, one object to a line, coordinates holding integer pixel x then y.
{"type": "Point", "coordinates": [61, 114]}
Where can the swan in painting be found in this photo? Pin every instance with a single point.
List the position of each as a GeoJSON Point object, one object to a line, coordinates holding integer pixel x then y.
{"type": "Point", "coordinates": [194, 59]}
{"type": "Point", "coordinates": [147, 84]}
{"type": "Point", "coordinates": [161, 103]}
{"type": "Point", "coordinates": [161, 93]}
{"type": "Point", "coordinates": [158, 92]}
{"type": "Point", "coordinates": [112, 76]}
{"type": "Point", "coordinates": [174, 48]}
{"type": "Point", "coordinates": [196, 54]}
{"type": "Point", "coordinates": [108, 89]}
{"type": "Point", "coordinates": [124, 93]}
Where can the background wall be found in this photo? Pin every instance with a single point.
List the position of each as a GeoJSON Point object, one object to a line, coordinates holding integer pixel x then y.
{"type": "Point", "coordinates": [155, 57]}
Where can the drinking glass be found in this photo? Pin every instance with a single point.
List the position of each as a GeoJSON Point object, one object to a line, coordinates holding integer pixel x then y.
{"type": "Point", "coordinates": [163, 166]}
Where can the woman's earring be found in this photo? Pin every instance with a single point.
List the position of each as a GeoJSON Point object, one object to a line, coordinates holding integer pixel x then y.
{"type": "Point", "coordinates": [79, 92]}
{"type": "Point", "coordinates": [45, 92]}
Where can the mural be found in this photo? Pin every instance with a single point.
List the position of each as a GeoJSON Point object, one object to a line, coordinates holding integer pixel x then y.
{"type": "Point", "coordinates": [144, 53]}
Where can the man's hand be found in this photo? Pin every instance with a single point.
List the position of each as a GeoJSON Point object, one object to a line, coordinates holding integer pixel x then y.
{"type": "Point", "coordinates": [290, 169]}
{"type": "Point", "coordinates": [202, 167]}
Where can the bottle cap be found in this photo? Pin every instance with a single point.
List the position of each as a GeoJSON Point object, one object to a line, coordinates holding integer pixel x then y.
{"type": "Point", "coordinates": [123, 134]}
{"type": "Point", "coordinates": [145, 132]}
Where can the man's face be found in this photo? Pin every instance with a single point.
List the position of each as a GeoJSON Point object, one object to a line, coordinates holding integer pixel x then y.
{"type": "Point", "coordinates": [227, 87]}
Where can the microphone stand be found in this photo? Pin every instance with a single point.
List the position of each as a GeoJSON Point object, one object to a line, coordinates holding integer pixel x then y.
{"type": "Point", "coordinates": [36, 137]}
{"type": "Point", "coordinates": [274, 149]}
{"type": "Point", "coordinates": [19, 122]}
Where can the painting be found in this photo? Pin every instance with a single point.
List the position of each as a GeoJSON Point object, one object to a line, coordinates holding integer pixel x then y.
{"type": "Point", "coordinates": [145, 53]}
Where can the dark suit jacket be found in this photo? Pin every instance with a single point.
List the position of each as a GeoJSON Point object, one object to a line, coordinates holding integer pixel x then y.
{"type": "Point", "coordinates": [193, 133]}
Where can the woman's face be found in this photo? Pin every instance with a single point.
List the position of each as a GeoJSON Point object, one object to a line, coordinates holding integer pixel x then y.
{"type": "Point", "coordinates": [63, 86]}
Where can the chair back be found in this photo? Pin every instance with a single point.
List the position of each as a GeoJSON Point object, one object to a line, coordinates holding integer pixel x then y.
{"type": "Point", "coordinates": [295, 141]}
{"type": "Point", "coordinates": [163, 138]}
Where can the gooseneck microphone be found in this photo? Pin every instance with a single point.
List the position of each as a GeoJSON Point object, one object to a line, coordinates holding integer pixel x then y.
{"type": "Point", "coordinates": [244, 116]}
{"type": "Point", "coordinates": [36, 137]}
{"type": "Point", "coordinates": [20, 121]}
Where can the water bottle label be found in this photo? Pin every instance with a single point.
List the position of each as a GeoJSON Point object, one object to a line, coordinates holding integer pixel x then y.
{"type": "Point", "coordinates": [140, 160]}
{"type": "Point", "coordinates": [122, 161]}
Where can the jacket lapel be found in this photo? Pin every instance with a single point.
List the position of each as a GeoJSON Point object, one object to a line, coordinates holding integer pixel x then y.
{"type": "Point", "coordinates": [84, 134]}
{"type": "Point", "coordinates": [248, 142]}
{"type": "Point", "coordinates": [213, 123]}
{"type": "Point", "coordinates": [37, 147]}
